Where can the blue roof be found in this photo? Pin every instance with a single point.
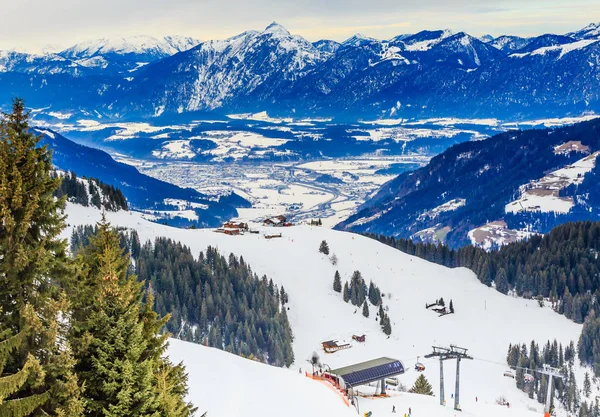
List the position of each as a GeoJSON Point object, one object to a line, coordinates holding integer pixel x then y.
{"type": "Point", "coordinates": [376, 369]}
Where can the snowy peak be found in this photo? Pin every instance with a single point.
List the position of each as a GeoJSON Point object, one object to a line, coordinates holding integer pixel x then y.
{"type": "Point", "coordinates": [358, 40]}
{"type": "Point", "coordinates": [327, 46]}
{"type": "Point", "coordinates": [509, 44]}
{"type": "Point", "coordinates": [425, 39]}
{"type": "Point", "coordinates": [591, 31]}
{"type": "Point", "coordinates": [276, 29]}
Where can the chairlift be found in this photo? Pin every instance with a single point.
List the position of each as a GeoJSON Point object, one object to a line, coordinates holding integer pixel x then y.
{"type": "Point", "coordinates": [509, 374]}
{"type": "Point", "coordinates": [419, 367]}
{"type": "Point", "coordinates": [528, 378]}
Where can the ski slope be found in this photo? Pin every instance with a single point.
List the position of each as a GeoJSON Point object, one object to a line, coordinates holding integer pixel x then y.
{"type": "Point", "coordinates": [266, 391]}
{"type": "Point", "coordinates": [485, 321]}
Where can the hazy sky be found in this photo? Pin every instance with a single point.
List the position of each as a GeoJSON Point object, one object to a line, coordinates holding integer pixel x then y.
{"type": "Point", "coordinates": [31, 24]}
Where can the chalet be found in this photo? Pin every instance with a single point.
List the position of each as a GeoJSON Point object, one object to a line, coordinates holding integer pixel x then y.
{"type": "Point", "coordinates": [331, 346]}
{"type": "Point", "coordinates": [229, 231]}
{"type": "Point", "coordinates": [236, 225]}
{"type": "Point", "coordinates": [360, 338]}
{"type": "Point", "coordinates": [277, 221]}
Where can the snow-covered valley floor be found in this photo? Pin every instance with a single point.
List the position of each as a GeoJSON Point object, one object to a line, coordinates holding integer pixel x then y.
{"type": "Point", "coordinates": [485, 322]}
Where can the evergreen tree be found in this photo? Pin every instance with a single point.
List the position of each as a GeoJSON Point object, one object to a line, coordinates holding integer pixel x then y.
{"type": "Point", "coordinates": [365, 310]}
{"type": "Point", "coordinates": [324, 248]}
{"type": "Point", "coordinates": [587, 385]}
{"type": "Point", "coordinates": [421, 386]}
{"type": "Point", "coordinates": [115, 336]}
{"type": "Point", "coordinates": [346, 292]}
{"type": "Point", "coordinates": [451, 307]}
{"type": "Point", "coordinates": [337, 282]}
{"type": "Point", "coordinates": [386, 325]}
{"type": "Point", "coordinates": [36, 368]}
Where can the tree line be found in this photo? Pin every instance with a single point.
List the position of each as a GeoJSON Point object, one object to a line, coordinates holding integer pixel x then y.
{"type": "Point", "coordinates": [561, 266]}
{"type": "Point", "coordinates": [76, 336]}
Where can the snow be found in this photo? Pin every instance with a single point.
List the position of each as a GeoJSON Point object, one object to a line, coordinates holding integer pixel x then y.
{"type": "Point", "coordinates": [563, 49]}
{"type": "Point", "coordinates": [543, 194]}
{"type": "Point", "coordinates": [451, 205]}
{"type": "Point", "coordinates": [429, 43]}
{"type": "Point", "coordinates": [263, 390]}
{"type": "Point", "coordinates": [495, 234]}
{"type": "Point", "coordinates": [274, 392]}
{"type": "Point", "coordinates": [261, 116]}
{"type": "Point", "coordinates": [140, 44]}
{"type": "Point", "coordinates": [177, 149]}
{"type": "Point", "coordinates": [485, 322]}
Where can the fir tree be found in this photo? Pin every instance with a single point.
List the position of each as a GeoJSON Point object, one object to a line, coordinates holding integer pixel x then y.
{"type": "Point", "coordinates": [324, 248]}
{"type": "Point", "coordinates": [386, 325]}
{"type": "Point", "coordinates": [115, 337]}
{"type": "Point", "coordinates": [346, 292]}
{"type": "Point", "coordinates": [587, 385]}
{"type": "Point", "coordinates": [365, 310]}
{"type": "Point", "coordinates": [36, 369]}
{"type": "Point", "coordinates": [451, 307]}
{"type": "Point", "coordinates": [337, 282]}
{"type": "Point", "coordinates": [421, 386]}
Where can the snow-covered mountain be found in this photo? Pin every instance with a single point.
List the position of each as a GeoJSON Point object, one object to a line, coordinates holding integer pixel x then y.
{"type": "Point", "coordinates": [427, 74]}
{"type": "Point", "coordinates": [591, 31]}
{"type": "Point", "coordinates": [485, 322]}
{"type": "Point", "coordinates": [224, 73]}
{"type": "Point", "coordinates": [125, 54]}
{"type": "Point", "coordinates": [500, 189]}
{"type": "Point", "coordinates": [44, 64]}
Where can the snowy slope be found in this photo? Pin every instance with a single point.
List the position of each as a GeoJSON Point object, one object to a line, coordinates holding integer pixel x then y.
{"type": "Point", "coordinates": [263, 390]}
{"type": "Point", "coordinates": [269, 391]}
{"type": "Point", "coordinates": [485, 322]}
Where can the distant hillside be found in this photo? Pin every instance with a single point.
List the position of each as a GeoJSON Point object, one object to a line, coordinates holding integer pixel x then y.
{"type": "Point", "coordinates": [493, 191]}
{"type": "Point", "coordinates": [142, 192]}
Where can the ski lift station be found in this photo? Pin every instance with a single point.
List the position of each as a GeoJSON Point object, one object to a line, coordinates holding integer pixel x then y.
{"type": "Point", "coordinates": [366, 372]}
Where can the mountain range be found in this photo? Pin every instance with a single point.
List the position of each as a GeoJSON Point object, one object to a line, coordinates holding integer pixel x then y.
{"type": "Point", "coordinates": [427, 74]}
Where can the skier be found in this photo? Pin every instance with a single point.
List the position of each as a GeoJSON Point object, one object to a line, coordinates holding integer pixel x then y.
{"type": "Point", "coordinates": [409, 411]}
{"type": "Point", "coordinates": [452, 395]}
{"type": "Point", "coordinates": [476, 399]}
{"type": "Point", "coordinates": [393, 408]}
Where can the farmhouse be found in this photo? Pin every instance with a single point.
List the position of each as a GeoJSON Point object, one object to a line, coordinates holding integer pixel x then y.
{"type": "Point", "coordinates": [277, 221]}
{"type": "Point", "coordinates": [236, 225]}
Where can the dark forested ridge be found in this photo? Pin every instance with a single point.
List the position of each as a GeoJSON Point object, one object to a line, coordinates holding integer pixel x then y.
{"type": "Point", "coordinates": [90, 192]}
{"type": "Point", "coordinates": [562, 265]}
{"type": "Point", "coordinates": [486, 175]}
{"type": "Point", "coordinates": [217, 301]}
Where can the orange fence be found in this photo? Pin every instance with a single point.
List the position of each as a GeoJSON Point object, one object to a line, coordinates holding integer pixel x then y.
{"type": "Point", "coordinates": [332, 385]}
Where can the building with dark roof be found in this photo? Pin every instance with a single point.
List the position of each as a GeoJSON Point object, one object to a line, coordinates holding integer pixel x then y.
{"type": "Point", "coordinates": [366, 372]}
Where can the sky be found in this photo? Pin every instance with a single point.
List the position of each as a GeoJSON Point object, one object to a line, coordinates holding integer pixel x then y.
{"type": "Point", "coordinates": [29, 25]}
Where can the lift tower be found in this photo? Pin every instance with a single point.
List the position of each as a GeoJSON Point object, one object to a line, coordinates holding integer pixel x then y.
{"type": "Point", "coordinates": [444, 353]}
